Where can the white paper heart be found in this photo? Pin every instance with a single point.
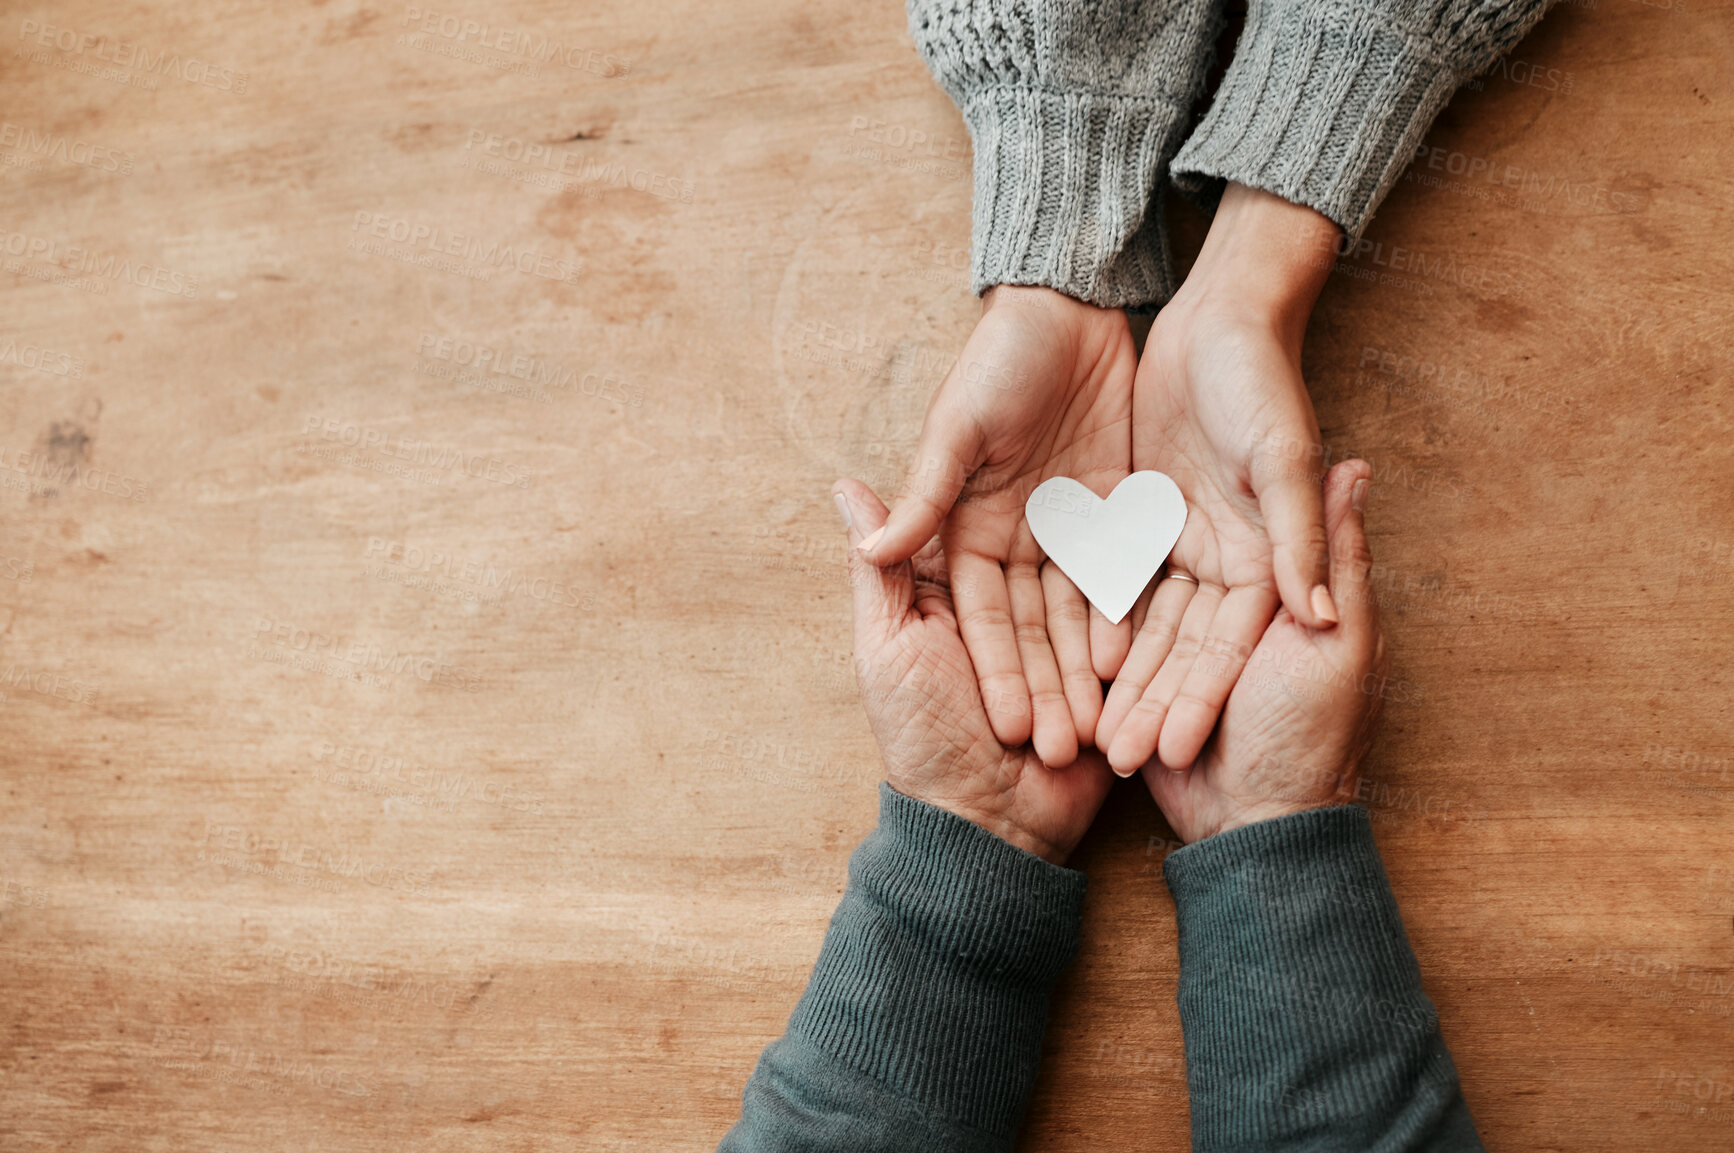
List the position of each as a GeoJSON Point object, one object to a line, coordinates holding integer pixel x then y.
{"type": "Point", "coordinates": [1109, 548]}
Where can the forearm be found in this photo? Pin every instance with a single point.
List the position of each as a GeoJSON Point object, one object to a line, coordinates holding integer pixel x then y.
{"type": "Point", "coordinates": [1301, 1001]}
{"type": "Point", "coordinates": [921, 1026]}
{"type": "Point", "coordinates": [1075, 110]}
{"type": "Point", "coordinates": [1265, 260]}
{"type": "Point", "coordinates": [1326, 102]}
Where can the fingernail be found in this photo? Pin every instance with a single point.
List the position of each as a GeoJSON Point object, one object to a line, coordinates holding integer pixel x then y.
{"type": "Point", "coordinates": [872, 539]}
{"type": "Point", "coordinates": [1323, 606]}
{"type": "Point", "coordinates": [843, 510]}
{"type": "Point", "coordinates": [1358, 495]}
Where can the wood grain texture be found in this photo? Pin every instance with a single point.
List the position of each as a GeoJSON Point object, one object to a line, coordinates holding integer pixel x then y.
{"type": "Point", "coordinates": [406, 755]}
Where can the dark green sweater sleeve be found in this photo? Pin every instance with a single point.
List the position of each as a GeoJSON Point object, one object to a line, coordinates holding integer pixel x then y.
{"type": "Point", "coordinates": [922, 1025]}
{"type": "Point", "coordinates": [1301, 1002]}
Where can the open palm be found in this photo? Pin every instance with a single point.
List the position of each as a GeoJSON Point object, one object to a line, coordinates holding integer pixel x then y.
{"type": "Point", "coordinates": [925, 707]}
{"type": "Point", "coordinates": [1220, 407]}
{"type": "Point", "coordinates": [1043, 388]}
{"type": "Point", "coordinates": [1298, 721]}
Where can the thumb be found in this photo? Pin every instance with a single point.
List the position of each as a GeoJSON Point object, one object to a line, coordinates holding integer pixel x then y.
{"type": "Point", "coordinates": [1351, 559]}
{"type": "Point", "coordinates": [946, 455]}
{"type": "Point", "coordinates": [1285, 478]}
{"type": "Point", "coordinates": [881, 597]}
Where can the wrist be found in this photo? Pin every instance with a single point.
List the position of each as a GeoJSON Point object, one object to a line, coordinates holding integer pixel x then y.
{"type": "Point", "coordinates": [1013, 834]}
{"type": "Point", "coordinates": [1265, 259]}
{"type": "Point", "coordinates": [1299, 792]}
{"type": "Point", "coordinates": [994, 821]}
{"type": "Point", "coordinates": [1256, 814]}
{"type": "Point", "coordinates": [1034, 298]}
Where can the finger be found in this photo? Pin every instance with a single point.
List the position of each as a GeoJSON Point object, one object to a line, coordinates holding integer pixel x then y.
{"type": "Point", "coordinates": [880, 596]}
{"type": "Point", "coordinates": [1149, 649]}
{"type": "Point", "coordinates": [930, 564]}
{"type": "Point", "coordinates": [948, 452]}
{"type": "Point", "coordinates": [1141, 606]}
{"type": "Point", "coordinates": [1069, 632]}
{"type": "Point", "coordinates": [1351, 558]}
{"type": "Point", "coordinates": [984, 620]}
{"type": "Point", "coordinates": [1292, 507]}
{"type": "Point", "coordinates": [1109, 643]}
{"type": "Point", "coordinates": [1051, 728]}
{"type": "Point", "coordinates": [1135, 740]}
{"type": "Point", "coordinates": [1240, 620]}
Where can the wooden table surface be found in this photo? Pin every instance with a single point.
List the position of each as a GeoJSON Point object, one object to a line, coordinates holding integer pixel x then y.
{"type": "Point", "coordinates": [428, 718]}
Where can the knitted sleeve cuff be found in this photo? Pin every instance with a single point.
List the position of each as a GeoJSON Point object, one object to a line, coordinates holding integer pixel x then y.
{"type": "Point", "coordinates": [1069, 192]}
{"type": "Point", "coordinates": [1300, 998]}
{"type": "Point", "coordinates": [1274, 892]}
{"type": "Point", "coordinates": [935, 974]}
{"type": "Point", "coordinates": [1324, 104]}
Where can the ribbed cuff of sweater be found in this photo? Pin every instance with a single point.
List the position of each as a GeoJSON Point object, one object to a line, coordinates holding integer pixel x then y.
{"type": "Point", "coordinates": [1069, 192]}
{"type": "Point", "coordinates": [1323, 105]}
{"type": "Point", "coordinates": [1300, 998]}
{"type": "Point", "coordinates": [935, 975]}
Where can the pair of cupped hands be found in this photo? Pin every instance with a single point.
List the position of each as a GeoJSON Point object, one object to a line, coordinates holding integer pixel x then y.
{"type": "Point", "coordinates": [1243, 694]}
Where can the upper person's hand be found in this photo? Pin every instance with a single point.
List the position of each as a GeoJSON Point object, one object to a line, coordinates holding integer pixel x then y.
{"type": "Point", "coordinates": [1043, 388]}
{"type": "Point", "coordinates": [926, 711]}
{"type": "Point", "coordinates": [1298, 722]}
{"type": "Point", "coordinates": [1220, 406]}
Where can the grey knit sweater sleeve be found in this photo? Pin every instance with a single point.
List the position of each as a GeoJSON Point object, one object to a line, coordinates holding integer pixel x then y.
{"type": "Point", "coordinates": [921, 1027]}
{"type": "Point", "coordinates": [1301, 1002]}
{"type": "Point", "coordinates": [1075, 108]}
{"type": "Point", "coordinates": [1326, 101]}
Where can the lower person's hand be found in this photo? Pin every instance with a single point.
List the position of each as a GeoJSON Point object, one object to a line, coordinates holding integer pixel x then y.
{"type": "Point", "coordinates": [1221, 407]}
{"type": "Point", "coordinates": [1300, 718]}
{"type": "Point", "coordinates": [1043, 388]}
{"type": "Point", "coordinates": [925, 707]}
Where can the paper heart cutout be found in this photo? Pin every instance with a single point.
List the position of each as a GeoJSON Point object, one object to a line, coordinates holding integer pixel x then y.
{"type": "Point", "coordinates": [1109, 548]}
